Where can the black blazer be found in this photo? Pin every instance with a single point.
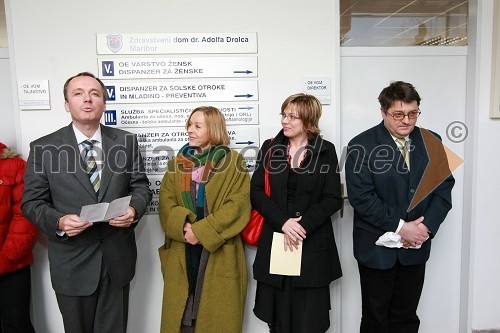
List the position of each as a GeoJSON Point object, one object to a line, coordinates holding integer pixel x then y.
{"type": "Point", "coordinates": [56, 184]}
{"type": "Point", "coordinates": [318, 197]}
{"type": "Point", "coordinates": [381, 191]}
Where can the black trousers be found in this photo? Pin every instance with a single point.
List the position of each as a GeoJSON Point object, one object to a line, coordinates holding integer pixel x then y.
{"type": "Point", "coordinates": [105, 311]}
{"type": "Point", "coordinates": [15, 290]}
{"type": "Point", "coordinates": [390, 298]}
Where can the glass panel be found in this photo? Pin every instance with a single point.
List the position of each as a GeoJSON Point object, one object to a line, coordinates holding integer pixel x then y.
{"type": "Point", "coordinates": [3, 26]}
{"type": "Point", "coordinates": [403, 22]}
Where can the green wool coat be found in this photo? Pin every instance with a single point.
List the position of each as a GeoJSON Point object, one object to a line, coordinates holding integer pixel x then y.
{"type": "Point", "coordinates": [225, 284]}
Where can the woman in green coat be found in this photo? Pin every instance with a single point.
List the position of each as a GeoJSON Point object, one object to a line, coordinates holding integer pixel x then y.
{"type": "Point", "coordinates": [204, 204]}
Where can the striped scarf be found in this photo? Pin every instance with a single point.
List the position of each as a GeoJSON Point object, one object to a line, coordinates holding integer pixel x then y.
{"type": "Point", "coordinates": [187, 159]}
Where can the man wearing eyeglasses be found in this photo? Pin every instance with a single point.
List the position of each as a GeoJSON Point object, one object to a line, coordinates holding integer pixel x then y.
{"type": "Point", "coordinates": [399, 184]}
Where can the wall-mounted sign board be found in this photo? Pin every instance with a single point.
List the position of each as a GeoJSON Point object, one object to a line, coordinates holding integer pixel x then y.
{"type": "Point", "coordinates": [166, 43]}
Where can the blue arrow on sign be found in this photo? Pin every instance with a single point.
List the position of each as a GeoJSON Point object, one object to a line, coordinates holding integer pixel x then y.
{"type": "Point", "coordinates": [243, 72]}
{"type": "Point", "coordinates": [247, 95]}
{"type": "Point", "coordinates": [246, 108]}
{"type": "Point", "coordinates": [244, 142]}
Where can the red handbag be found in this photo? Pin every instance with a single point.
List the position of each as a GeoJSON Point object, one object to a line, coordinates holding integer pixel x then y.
{"type": "Point", "coordinates": [253, 229]}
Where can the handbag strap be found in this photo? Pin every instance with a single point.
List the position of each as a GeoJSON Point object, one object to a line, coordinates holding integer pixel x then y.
{"type": "Point", "coordinates": [267, 184]}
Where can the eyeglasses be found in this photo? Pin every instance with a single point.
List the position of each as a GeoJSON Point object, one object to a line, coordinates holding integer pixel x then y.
{"type": "Point", "coordinates": [290, 117]}
{"type": "Point", "coordinates": [402, 115]}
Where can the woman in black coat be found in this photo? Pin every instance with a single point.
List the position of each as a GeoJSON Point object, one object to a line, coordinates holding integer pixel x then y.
{"type": "Point", "coordinates": [305, 193]}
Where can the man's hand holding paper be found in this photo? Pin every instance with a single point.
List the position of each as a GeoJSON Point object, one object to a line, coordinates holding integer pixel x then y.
{"type": "Point", "coordinates": [71, 226]}
{"type": "Point", "coordinates": [124, 220]}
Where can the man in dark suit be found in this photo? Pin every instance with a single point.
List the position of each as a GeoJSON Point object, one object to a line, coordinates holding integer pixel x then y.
{"type": "Point", "coordinates": [91, 264]}
{"type": "Point", "coordinates": [399, 184]}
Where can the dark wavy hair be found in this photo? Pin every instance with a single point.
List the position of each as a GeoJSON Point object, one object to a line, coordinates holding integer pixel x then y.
{"type": "Point", "coordinates": [398, 91]}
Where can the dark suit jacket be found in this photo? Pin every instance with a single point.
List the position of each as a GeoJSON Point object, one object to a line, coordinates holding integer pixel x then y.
{"type": "Point", "coordinates": [318, 197]}
{"type": "Point", "coordinates": [56, 184]}
{"type": "Point", "coordinates": [380, 190]}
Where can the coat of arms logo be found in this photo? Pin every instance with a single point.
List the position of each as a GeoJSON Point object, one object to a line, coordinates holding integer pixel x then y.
{"type": "Point", "coordinates": [114, 42]}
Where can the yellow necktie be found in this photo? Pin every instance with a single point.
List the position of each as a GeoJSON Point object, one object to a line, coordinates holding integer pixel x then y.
{"type": "Point", "coordinates": [403, 146]}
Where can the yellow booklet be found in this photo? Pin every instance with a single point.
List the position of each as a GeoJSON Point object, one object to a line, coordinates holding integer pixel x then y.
{"type": "Point", "coordinates": [284, 262]}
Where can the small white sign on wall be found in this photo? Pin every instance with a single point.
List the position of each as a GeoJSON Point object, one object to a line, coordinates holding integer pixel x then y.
{"type": "Point", "coordinates": [120, 91]}
{"type": "Point", "coordinates": [174, 68]}
{"type": "Point", "coordinates": [172, 139]}
{"type": "Point", "coordinates": [319, 87]}
{"type": "Point", "coordinates": [34, 95]}
{"type": "Point", "coordinates": [165, 43]}
{"type": "Point", "coordinates": [168, 114]}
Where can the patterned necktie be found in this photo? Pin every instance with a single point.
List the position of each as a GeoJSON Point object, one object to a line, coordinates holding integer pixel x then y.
{"type": "Point", "coordinates": [403, 146]}
{"type": "Point", "coordinates": [91, 164]}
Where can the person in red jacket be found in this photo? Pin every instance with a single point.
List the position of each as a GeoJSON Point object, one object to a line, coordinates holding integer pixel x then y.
{"type": "Point", "coordinates": [17, 236]}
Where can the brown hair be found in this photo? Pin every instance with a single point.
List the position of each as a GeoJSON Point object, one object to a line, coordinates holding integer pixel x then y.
{"type": "Point", "coordinates": [308, 108]}
{"type": "Point", "coordinates": [216, 125]}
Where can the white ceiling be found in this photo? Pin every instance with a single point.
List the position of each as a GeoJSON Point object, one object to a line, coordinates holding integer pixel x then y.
{"type": "Point", "coordinates": [384, 22]}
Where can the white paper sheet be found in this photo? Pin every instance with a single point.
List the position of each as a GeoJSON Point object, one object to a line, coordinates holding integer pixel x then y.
{"type": "Point", "coordinates": [104, 211]}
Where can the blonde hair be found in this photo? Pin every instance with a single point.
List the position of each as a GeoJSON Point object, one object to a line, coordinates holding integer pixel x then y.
{"type": "Point", "coordinates": [308, 108]}
{"type": "Point", "coordinates": [216, 125]}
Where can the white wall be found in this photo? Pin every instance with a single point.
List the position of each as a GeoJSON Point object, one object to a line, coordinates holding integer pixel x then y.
{"type": "Point", "coordinates": [483, 181]}
{"type": "Point", "coordinates": [7, 130]}
{"type": "Point", "coordinates": [56, 39]}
